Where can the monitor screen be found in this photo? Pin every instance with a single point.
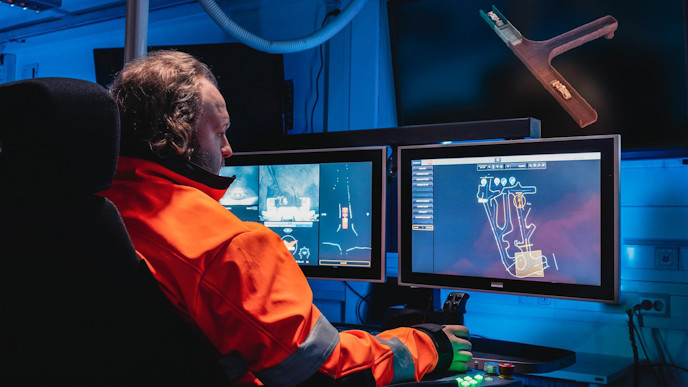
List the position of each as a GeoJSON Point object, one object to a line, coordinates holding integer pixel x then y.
{"type": "Point", "coordinates": [327, 205]}
{"type": "Point", "coordinates": [450, 66]}
{"type": "Point", "coordinates": [531, 217]}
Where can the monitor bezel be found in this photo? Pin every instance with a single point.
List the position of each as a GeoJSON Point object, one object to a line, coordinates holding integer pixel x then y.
{"type": "Point", "coordinates": [377, 155]}
{"type": "Point", "coordinates": [607, 145]}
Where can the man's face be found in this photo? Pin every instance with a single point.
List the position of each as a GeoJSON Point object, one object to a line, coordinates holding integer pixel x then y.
{"type": "Point", "coordinates": [212, 144]}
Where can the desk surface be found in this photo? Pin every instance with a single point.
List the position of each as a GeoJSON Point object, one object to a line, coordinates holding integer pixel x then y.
{"type": "Point", "coordinates": [526, 358]}
{"type": "Point", "coordinates": [593, 368]}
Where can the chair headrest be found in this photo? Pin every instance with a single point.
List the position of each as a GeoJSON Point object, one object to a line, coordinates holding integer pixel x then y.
{"type": "Point", "coordinates": [57, 136]}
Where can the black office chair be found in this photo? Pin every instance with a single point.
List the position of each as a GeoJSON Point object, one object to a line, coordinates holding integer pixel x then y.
{"type": "Point", "coordinates": [77, 306]}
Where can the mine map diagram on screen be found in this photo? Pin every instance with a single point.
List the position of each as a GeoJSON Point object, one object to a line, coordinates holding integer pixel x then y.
{"type": "Point", "coordinates": [322, 211]}
{"type": "Point", "coordinates": [530, 217]}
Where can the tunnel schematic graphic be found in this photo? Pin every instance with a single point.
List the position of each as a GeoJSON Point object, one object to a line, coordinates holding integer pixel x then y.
{"type": "Point", "coordinates": [507, 206]}
{"type": "Point", "coordinates": [345, 213]}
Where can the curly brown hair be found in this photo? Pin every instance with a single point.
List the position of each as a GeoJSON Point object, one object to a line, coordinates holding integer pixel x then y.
{"type": "Point", "coordinates": [159, 99]}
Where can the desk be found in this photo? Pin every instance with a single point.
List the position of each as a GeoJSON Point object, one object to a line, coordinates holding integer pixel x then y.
{"type": "Point", "coordinates": [594, 369]}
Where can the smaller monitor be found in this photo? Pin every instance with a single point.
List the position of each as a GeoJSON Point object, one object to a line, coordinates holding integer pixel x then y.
{"type": "Point", "coordinates": [529, 217]}
{"type": "Point", "coordinates": [327, 205]}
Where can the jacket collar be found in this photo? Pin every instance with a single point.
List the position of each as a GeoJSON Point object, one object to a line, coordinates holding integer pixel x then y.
{"type": "Point", "coordinates": [178, 171]}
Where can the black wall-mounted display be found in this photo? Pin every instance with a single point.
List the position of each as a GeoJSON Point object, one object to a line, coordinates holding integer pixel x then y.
{"type": "Point", "coordinates": [450, 66]}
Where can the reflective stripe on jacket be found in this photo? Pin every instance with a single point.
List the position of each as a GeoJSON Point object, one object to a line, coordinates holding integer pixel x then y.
{"type": "Point", "coordinates": [240, 285]}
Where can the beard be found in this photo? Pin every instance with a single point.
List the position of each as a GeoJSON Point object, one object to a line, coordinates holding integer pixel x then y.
{"type": "Point", "coordinates": [206, 161]}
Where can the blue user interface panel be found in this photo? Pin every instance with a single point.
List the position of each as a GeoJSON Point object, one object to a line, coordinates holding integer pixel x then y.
{"type": "Point", "coordinates": [532, 217]}
{"type": "Point", "coordinates": [326, 205]}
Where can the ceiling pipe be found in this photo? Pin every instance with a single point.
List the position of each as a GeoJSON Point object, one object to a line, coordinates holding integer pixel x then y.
{"type": "Point", "coordinates": [282, 46]}
{"type": "Point", "coordinates": [136, 30]}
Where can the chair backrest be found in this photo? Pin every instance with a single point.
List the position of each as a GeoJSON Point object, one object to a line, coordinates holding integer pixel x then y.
{"type": "Point", "coordinates": [77, 305]}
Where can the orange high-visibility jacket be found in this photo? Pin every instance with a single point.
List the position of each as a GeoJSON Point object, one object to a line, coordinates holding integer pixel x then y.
{"type": "Point", "coordinates": [240, 285]}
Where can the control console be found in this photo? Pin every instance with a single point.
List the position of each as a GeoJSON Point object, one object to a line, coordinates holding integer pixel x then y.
{"type": "Point", "coordinates": [491, 377]}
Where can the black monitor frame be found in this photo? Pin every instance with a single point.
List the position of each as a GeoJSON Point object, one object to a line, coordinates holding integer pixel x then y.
{"type": "Point", "coordinates": [607, 145]}
{"type": "Point", "coordinates": [375, 155]}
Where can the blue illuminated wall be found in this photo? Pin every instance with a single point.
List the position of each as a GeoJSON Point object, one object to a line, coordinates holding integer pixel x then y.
{"type": "Point", "coordinates": [356, 92]}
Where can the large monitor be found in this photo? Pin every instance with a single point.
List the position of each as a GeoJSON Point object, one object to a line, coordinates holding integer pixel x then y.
{"type": "Point", "coordinates": [450, 66]}
{"type": "Point", "coordinates": [528, 217]}
{"type": "Point", "coordinates": [327, 205]}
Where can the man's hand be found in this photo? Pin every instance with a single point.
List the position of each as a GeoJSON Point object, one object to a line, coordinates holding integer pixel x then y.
{"type": "Point", "coordinates": [458, 336]}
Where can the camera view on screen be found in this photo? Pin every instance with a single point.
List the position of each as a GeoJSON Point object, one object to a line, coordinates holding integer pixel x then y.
{"type": "Point", "coordinates": [322, 211]}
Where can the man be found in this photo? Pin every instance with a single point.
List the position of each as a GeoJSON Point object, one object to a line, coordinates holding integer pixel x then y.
{"type": "Point", "coordinates": [235, 280]}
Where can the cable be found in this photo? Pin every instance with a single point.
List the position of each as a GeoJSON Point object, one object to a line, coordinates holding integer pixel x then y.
{"type": "Point", "coordinates": [640, 339]}
{"type": "Point", "coordinates": [633, 330]}
{"type": "Point", "coordinates": [634, 347]}
{"type": "Point", "coordinates": [645, 305]}
{"type": "Point", "coordinates": [642, 345]}
{"type": "Point", "coordinates": [358, 308]}
{"type": "Point", "coordinates": [317, 86]}
{"type": "Point", "coordinates": [353, 290]}
{"type": "Point", "coordinates": [359, 303]}
{"type": "Point", "coordinates": [322, 64]}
